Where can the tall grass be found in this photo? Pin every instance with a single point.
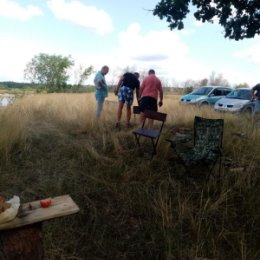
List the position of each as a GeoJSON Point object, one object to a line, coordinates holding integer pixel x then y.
{"type": "Point", "coordinates": [130, 207]}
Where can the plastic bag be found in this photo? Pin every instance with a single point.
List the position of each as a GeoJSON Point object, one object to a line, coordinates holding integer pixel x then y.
{"type": "Point", "coordinates": [10, 213]}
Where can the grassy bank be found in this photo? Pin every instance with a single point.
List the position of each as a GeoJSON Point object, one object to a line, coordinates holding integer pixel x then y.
{"type": "Point", "coordinates": [130, 207]}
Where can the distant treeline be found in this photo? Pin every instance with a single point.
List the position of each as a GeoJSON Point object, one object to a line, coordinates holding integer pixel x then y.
{"type": "Point", "coordinates": [72, 88]}
{"type": "Point", "coordinates": [12, 84]}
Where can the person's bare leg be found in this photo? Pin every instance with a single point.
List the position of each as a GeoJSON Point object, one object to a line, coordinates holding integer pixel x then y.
{"type": "Point", "coordinates": [119, 112]}
{"type": "Point", "coordinates": [128, 115]}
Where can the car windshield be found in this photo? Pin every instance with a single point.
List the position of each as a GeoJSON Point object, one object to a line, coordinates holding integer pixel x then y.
{"type": "Point", "coordinates": [202, 91]}
{"type": "Point", "coordinates": [240, 94]}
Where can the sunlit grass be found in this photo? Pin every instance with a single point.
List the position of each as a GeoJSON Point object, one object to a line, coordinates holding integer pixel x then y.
{"type": "Point", "coordinates": [130, 207]}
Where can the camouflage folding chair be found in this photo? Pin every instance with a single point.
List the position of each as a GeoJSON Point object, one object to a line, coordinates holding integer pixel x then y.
{"type": "Point", "coordinates": [207, 145]}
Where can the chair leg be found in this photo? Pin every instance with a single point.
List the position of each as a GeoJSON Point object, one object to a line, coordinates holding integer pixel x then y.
{"type": "Point", "coordinates": [137, 139]}
{"type": "Point", "coordinates": [213, 166]}
{"type": "Point", "coordinates": [154, 146]}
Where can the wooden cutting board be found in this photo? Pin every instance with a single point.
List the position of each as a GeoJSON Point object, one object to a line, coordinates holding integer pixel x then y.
{"type": "Point", "coordinates": [32, 212]}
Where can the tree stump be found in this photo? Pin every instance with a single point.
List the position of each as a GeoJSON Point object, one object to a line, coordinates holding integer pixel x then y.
{"type": "Point", "coordinates": [24, 243]}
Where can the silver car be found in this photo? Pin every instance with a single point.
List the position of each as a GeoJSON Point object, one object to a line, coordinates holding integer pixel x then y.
{"type": "Point", "coordinates": [239, 100]}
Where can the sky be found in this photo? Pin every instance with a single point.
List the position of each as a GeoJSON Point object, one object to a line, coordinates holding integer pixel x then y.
{"type": "Point", "coordinates": [120, 34]}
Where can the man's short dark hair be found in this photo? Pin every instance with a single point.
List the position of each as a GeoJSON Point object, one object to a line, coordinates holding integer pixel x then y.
{"type": "Point", "coordinates": [137, 74]}
{"type": "Point", "coordinates": [151, 71]}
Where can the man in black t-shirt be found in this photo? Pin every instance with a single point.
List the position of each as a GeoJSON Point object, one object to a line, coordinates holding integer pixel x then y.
{"type": "Point", "coordinates": [256, 95]}
{"type": "Point", "coordinates": [125, 92]}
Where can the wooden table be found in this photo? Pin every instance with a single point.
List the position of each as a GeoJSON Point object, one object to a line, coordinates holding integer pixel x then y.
{"type": "Point", "coordinates": [21, 238]}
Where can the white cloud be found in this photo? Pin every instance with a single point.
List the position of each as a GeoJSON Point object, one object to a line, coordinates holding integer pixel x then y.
{"type": "Point", "coordinates": [83, 15]}
{"type": "Point", "coordinates": [11, 9]}
{"type": "Point", "coordinates": [251, 54]}
{"type": "Point", "coordinates": [13, 60]}
{"type": "Point", "coordinates": [15, 53]}
{"type": "Point", "coordinates": [151, 47]}
{"type": "Point", "coordinates": [162, 50]}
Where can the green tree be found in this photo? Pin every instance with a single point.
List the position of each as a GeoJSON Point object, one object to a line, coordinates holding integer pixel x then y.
{"type": "Point", "coordinates": [240, 18]}
{"type": "Point", "coordinates": [49, 71]}
{"type": "Point", "coordinates": [82, 74]}
{"type": "Point", "coordinates": [188, 90]}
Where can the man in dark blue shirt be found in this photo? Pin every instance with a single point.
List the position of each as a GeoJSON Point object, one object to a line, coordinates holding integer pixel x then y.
{"type": "Point", "coordinates": [125, 92]}
{"type": "Point", "coordinates": [256, 95]}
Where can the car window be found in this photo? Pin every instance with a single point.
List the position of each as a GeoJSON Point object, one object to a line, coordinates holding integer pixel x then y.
{"type": "Point", "coordinates": [226, 91]}
{"type": "Point", "coordinates": [217, 92]}
{"type": "Point", "coordinates": [240, 94]}
{"type": "Point", "coordinates": [245, 95]}
{"type": "Point", "coordinates": [202, 91]}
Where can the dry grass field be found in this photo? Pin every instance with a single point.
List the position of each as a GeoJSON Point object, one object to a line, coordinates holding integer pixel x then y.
{"type": "Point", "coordinates": [130, 207]}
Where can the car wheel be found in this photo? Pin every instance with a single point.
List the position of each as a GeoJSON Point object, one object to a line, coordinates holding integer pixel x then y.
{"type": "Point", "coordinates": [204, 104]}
{"type": "Point", "coordinates": [248, 110]}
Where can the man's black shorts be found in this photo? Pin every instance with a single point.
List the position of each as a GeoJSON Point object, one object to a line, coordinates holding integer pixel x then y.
{"type": "Point", "coordinates": [148, 103]}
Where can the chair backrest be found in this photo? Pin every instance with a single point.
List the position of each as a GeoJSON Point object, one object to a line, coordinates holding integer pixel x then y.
{"type": "Point", "coordinates": [136, 110]}
{"type": "Point", "coordinates": [208, 133]}
{"type": "Point", "coordinates": [155, 115]}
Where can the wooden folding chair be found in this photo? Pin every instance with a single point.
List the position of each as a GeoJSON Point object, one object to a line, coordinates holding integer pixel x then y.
{"type": "Point", "coordinates": [152, 134]}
